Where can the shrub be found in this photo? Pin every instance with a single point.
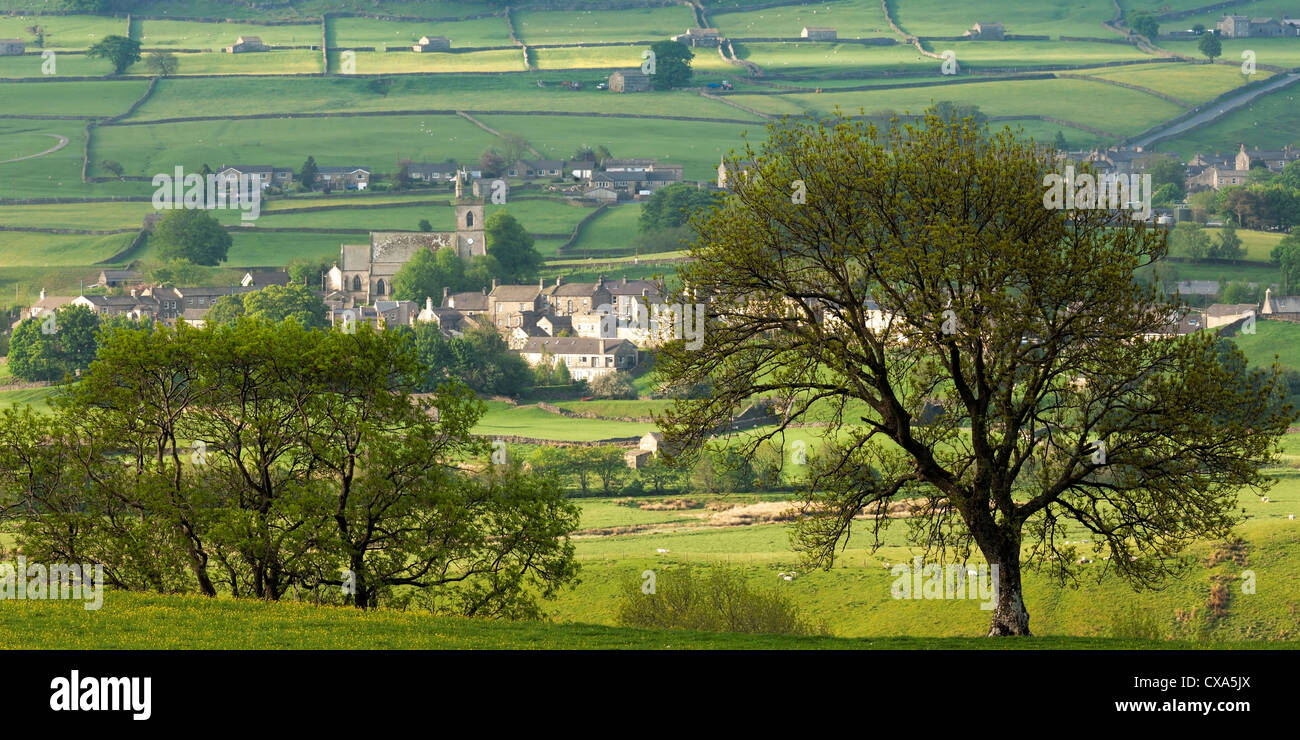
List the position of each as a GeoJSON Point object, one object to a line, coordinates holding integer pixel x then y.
{"type": "Point", "coordinates": [720, 600]}
{"type": "Point", "coordinates": [1135, 623]}
{"type": "Point", "coordinates": [615, 385]}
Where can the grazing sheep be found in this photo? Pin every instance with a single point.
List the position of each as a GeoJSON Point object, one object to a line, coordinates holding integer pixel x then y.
{"type": "Point", "coordinates": [1291, 516]}
{"type": "Point", "coordinates": [1264, 499]}
{"type": "Point", "coordinates": [788, 578]}
{"type": "Point", "coordinates": [660, 549]}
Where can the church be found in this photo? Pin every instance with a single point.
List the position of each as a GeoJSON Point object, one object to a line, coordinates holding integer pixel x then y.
{"type": "Point", "coordinates": [364, 272]}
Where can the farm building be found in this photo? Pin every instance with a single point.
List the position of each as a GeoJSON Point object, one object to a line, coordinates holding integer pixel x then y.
{"type": "Point", "coordinates": [819, 33]}
{"type": "Point", "coordinates": [432, 43]}
{"type": "Point", "coordinates": [263, 278]}
{"type": "Point", "coordinates": [12, 47]}
{"type": "Point", "coordinates": [987, 32]}
{"type": "Point", "coordinates": [1281, 307]}
{"type": "Point", "coordinates": [245, 44]}
{"type": "Point", "coordinates": [698, 37]}
{"type": "Point", "coordinates": [632, 80]}
{"type": "Point", "coordinates": [1245, 27]}
{"type": "Point", "coordinates": [114, 278]}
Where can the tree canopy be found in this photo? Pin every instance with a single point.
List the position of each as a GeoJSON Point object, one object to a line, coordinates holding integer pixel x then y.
{"type": "Point", "coordinates": [989, 360]}
{"type": "Point", "coordinates": [190, 234]}
{"type": "Point", "coordinates": [120, 51]}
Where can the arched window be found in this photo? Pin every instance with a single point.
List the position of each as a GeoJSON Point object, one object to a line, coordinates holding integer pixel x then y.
{"type": "Point", "coordinates": [356, 283]}
{"type": "Point", "coordinates": [379, 287]}
{"type": "Point", "coordinates": [469, 219]}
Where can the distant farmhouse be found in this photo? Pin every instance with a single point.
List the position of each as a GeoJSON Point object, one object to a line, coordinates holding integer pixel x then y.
{"type": "Point", "coordinates": [1217, 172]}
{"type": "Point", "coordinates": [699, 37]}
{"type": "Point", "coordinates": [245, 44]}
{"type": "Point", "coordinates": [629, 80]}
{"type": "Point", "coordinates": [723, 174]}
{"type": "Point", "coordinates": [116, 278]}
{"type": "Point", "coordinates": [432, 43]}
{"type": "Point", "coordinates": [12, 47]}
{"type": "Point", "coordinates": [819, 33]}
{"type": "Point", "coordinates": [986, 32]}
{"type": "Point", "coordinates": [1245, 27]}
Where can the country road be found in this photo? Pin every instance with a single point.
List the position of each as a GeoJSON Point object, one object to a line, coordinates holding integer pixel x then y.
{"type": "Point", "coordinates": [1216, 111]}
{"type": "Point", "coordinates": [63, 141]}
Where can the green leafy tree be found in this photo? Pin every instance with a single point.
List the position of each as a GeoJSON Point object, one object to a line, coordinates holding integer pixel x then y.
{"type": "Point", "coordinates": [1210, 47]}
{"type": "Point", "coordinates": [614, 385]}
{"type": "Point", "coordinates": [1287, 255]}
{"type": "Point", "coordinates": [1189, 240]}
{"type": "Point", "coordinates": [120, 51]}
{"type": "Point", "coordinates": [673, 206]}
{"type": "Point", "coordinates": [427, 273]}
{"type": "Point", "coordinates": [1291, 175]}
{"type": "Point", "coordinates": [36, 353]}
{"type": "Point", "coordinates": [1059, 142]}
{"type": "Point", "coordinates": [512, 247]}
{"type": "Point", "coordinates": [307, 175]}
{"type": "Point", "coordinates": [1228, 245]}
{"type": "Point", "coordinates": [1145, 24]}
{"type": "Point", "coordinates": [190, 234]}
{"type": "Point", "coordinates": [672, 65]}
{"type": "Point", "coordinates": [1000, 307]}
{"type": "Point", "coordinates": [162, 63]}
{"type": "Point", "coordinates": [277, 303]}
{"type": "Point", "coordinates": [425, 226]}
{"type": "Point", "coordinates": [1167, 170]}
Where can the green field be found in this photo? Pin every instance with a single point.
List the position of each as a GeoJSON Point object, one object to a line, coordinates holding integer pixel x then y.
{"type": "Point", "coordinates": [1268, 123]}
{"type": "Point", "coordinates": [139, 621]}
{"type": "Point", "coordinates": [215, 37]}
{"type": "Point", "coordinates": [614, 228]}
{"type": "Point", "coordinates": [61, 31]}
{"type": "Point", "coordinates": [530, 421]}
{"type": "Point", "coordinates": [579, 26]}
{"type": "Point", "coordinates": [1278, 52]}
{"type": "Point", "coordinates": [939, 18]}
{"type": "Point", "coordinates": [1273, 339]}
{"type": "Point", "coordinates": [1072, 100]}
{"type": "Point", "coordinates": [53, 250]}
{"type": "Point", "coordinates": [349, 32]}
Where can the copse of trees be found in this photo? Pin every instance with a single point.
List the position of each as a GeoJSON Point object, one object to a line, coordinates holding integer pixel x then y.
{"type": "Point", "coordinates": [41, 349]}
{"type": "Point", "coordinates": [672, 65]}
{"type": "Point", "coordinates": [271, 461]}
{"type": "Point", "coordinates": [274, 303]}
{"type": "Point", "coordinates": [479, 358]}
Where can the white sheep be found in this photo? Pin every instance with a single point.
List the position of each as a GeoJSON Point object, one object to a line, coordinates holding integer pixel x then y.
{"type": "Point", "coordinates": [661, 549]}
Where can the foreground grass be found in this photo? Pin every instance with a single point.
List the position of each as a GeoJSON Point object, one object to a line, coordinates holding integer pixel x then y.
{"type": "Point", "coordinates": [143, 621]}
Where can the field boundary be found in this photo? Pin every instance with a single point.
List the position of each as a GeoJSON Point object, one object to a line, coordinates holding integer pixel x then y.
{"type": "Point", "coordinates": [466, 114]}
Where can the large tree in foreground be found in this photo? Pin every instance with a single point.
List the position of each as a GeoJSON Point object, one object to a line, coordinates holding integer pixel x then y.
{"type": "Point", "coordinates": [1023, 323]}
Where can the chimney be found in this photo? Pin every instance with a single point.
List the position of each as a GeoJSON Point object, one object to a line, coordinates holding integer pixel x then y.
{"type": "Point", "coordinates": [541, 283]}
{"type": "Point", "coordinates": [42, 294]}
{"type": "Point", "coordinates": [446, 291]}
{"type": "Point", "coordinates": [559, 280]}
{"type": "Point", "coordinates": [494, 284]}
{"type": "Point", "coordinates": [600, 347]}
{"type": "Point", "coordinates": [625, 279]}
{"type": "Point", "coordinates": [428, 301]}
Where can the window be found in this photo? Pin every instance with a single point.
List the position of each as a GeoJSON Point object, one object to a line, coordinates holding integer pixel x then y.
{"type": "Point", "coordinates": [379, 287]}
{"type": "Point", "coordinates": [469, 219]}
{"type": "Point", "coordinates": [356, 283]}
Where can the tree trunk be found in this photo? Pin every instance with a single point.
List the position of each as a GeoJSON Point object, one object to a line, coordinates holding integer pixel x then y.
{"type": "Point", "coordinates": [1009, 614]}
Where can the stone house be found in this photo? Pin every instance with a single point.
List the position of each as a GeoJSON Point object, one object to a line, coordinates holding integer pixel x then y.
{"type": "Point", "coordinates": [432, 43]}
{"type": "Point", "coordinates": [346, 178]}
{"type": "Point", "coordinates": [115, 278]}
{"type": "Point", "coordinates": [699, 37]}
{"type": "Point", "coordinates": [1243, 27]}
{"type": "Point", "coordinates": [630, 80]}
{"type": "Point", "coordinates": [281, 177]}
{"type": "Point", "coordinates": [819, 33]}
{"type": "Point", "coordinates": [245, 44]}
{"type": "Point", "coordinates": [986, 32]}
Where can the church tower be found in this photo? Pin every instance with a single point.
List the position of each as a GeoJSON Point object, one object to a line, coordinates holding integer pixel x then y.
{"type": "Point", "coordinates": [471, 239]}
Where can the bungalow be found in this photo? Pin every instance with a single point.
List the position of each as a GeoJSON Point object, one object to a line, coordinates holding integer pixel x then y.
{"type": "Point", "coordinates": [630, 80]}
{"type": "Point", "coordinates": [348, 178]}
{"type": "Point", "coordinates": [586, 358]}
{"type": "Point", "coordinates": [431, 172]}
{"type": "Point", "coordinates": [533, 169]}
{"type": "Point", "coordinates": [432, 43]}
{"type": "Point", "coordinates": [12, 47]}
{"type": "Point", "coordinates": [699, 37]}
{"type": "Point", "coordinates": [281, 177]}
{"type": "Point", "coordinates": [245, 44]}
{"type": "Point", "coordinates": [819, 33]}
{"type": "Point", "coordinates": [986, 32]}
